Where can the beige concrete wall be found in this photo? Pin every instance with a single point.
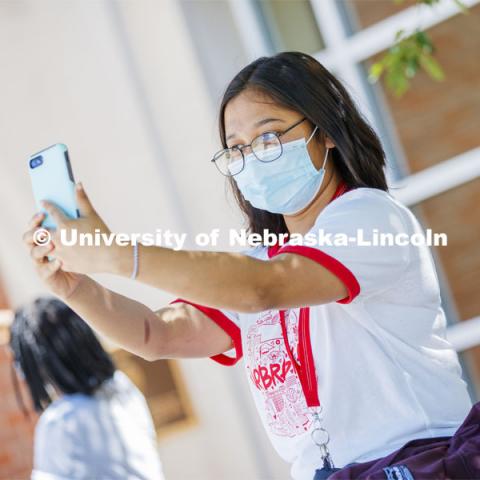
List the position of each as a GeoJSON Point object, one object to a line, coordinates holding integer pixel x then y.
{"type": "Point", "coordinates": [118, 82]}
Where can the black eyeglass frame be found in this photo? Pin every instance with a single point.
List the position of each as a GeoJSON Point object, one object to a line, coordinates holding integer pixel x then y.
{"type": "Point", "coordinates": [240, 148]}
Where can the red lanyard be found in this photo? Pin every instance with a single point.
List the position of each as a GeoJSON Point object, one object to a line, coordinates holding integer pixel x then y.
{"type": "Point", "coordinates": [305, 367]}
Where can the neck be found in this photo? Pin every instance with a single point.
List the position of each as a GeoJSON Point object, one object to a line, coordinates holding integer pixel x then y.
{"type": "Point", "coordinates": [303, 221]}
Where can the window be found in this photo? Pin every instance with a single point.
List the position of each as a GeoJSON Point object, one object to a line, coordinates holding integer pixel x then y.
{"type": "Point", "coordinates": [290, 25]}
{"type": "Point", "coordinates": [162, 385]}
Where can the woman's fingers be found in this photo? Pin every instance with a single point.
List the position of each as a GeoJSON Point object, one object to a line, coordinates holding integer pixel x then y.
{"type": "Point", "coordinates": [40, 252]}
{"type": "Point", "coordinates": [83, 202]}
{"type": "Point", "coordinates": [33, 225]}
{"type": "Point", "coordinates": [37, 236]}
{"type": "Point", "coordinates": [59, 217]}
{"type": "Point", "coordinates": [36, 220]}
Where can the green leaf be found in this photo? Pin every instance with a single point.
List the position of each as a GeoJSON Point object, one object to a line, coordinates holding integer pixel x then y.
{"type": "Point", "coordinates": [399, 34]}
{"type": "Point", "coordinates": [408, 54]}
{"type": "Point", "coordinates": [432, 67]}
{"type": "Point", "coordinates": [376, 70]}
{"type": "Point", "coordinates": [396, 49]}
{"type": "Point", "coordinates": [411, 67]}
{"type": "Point", "coordinates": [396, 80]}
{"type": "Point", "coordinates": [423, 41]}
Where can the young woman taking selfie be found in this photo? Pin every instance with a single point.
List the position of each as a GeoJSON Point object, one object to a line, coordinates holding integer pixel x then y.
{"type": "Point", "coordinates": [343, 345]}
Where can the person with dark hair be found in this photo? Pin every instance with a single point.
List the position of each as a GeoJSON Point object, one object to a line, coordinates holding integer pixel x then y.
{"type": "Point", "coordinates": [344, 340]}
{"type": "Point", "coordinates": [94, 423]}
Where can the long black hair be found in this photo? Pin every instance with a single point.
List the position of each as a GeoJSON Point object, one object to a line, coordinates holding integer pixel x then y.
{"type": "Point", "coordinates": [53, 347]}
{"type": "Point", "coordinates": [299, 82]}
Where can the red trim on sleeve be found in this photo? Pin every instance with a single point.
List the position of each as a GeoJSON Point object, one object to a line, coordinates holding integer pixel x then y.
{"type": "Point", "coordinates": [331, 264]}
{"type": "Point", "coordinates": [227, 325]}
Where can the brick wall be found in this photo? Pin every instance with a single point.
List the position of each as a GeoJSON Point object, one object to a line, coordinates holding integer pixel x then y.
{"type": "Point", "coordinates": [368, 12]}
{"type": "Point", "coordinates": [16, 432]}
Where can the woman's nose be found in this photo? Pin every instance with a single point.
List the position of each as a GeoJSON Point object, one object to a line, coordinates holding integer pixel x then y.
{"type": "Point", "coordinates": [247, 149]}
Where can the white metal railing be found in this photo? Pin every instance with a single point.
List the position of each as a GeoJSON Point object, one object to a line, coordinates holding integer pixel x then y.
{"type": "Point", "coordinates": [439, 178]}
{"type": "Point", "coordinates": [380, 36]}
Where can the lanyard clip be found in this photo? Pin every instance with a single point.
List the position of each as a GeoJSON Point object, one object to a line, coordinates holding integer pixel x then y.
{"type": "Point", "coordinates": [321, 438]}
{"type": "Point", "coordinates": [317, 411]}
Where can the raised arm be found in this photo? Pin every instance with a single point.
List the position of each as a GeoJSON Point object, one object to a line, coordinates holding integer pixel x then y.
{"type": "Point", "coordinates": [218, 279]}
{"type": "Point", "coordinates": [178, 330]}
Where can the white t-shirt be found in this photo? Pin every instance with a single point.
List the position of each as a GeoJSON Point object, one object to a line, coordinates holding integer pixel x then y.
{"type": "Point", "coordinates": [385, 374]}
{"type": "Point", "coordinates": [108, 436]}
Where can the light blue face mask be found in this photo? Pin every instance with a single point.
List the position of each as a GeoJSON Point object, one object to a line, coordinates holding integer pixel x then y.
{"type": "Point", "coordinates": [285, 185]}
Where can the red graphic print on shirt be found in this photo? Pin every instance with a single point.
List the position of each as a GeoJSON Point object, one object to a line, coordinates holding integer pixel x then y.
{"type": "Point", "coordinates": [272, 373]}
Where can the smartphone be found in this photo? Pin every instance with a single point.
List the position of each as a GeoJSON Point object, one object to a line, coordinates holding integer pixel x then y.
{"type": "Point", "coordinates": [52, 180]}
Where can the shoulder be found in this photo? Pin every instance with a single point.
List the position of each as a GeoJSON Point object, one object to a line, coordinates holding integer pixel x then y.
{"type": "Point", "coordinates": [64, 409]}
{"type": "Point", "coordinates": [61, 423]}
{"type": "Point", "coordinates": [365, 199]}
{"type": "Point", "coordinates": [75, 408]}
{"type": "Point", "coordinates": [369, 207]}
{"type": "Point", "coordinates": [121, 385]}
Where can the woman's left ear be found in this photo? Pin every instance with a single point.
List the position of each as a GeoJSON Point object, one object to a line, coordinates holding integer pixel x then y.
{"type": "Point", "coordinates": [329, 143]}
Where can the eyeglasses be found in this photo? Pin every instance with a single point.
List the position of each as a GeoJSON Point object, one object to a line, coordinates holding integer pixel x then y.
{"type": "Point", "coordinates": [267, 147]}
